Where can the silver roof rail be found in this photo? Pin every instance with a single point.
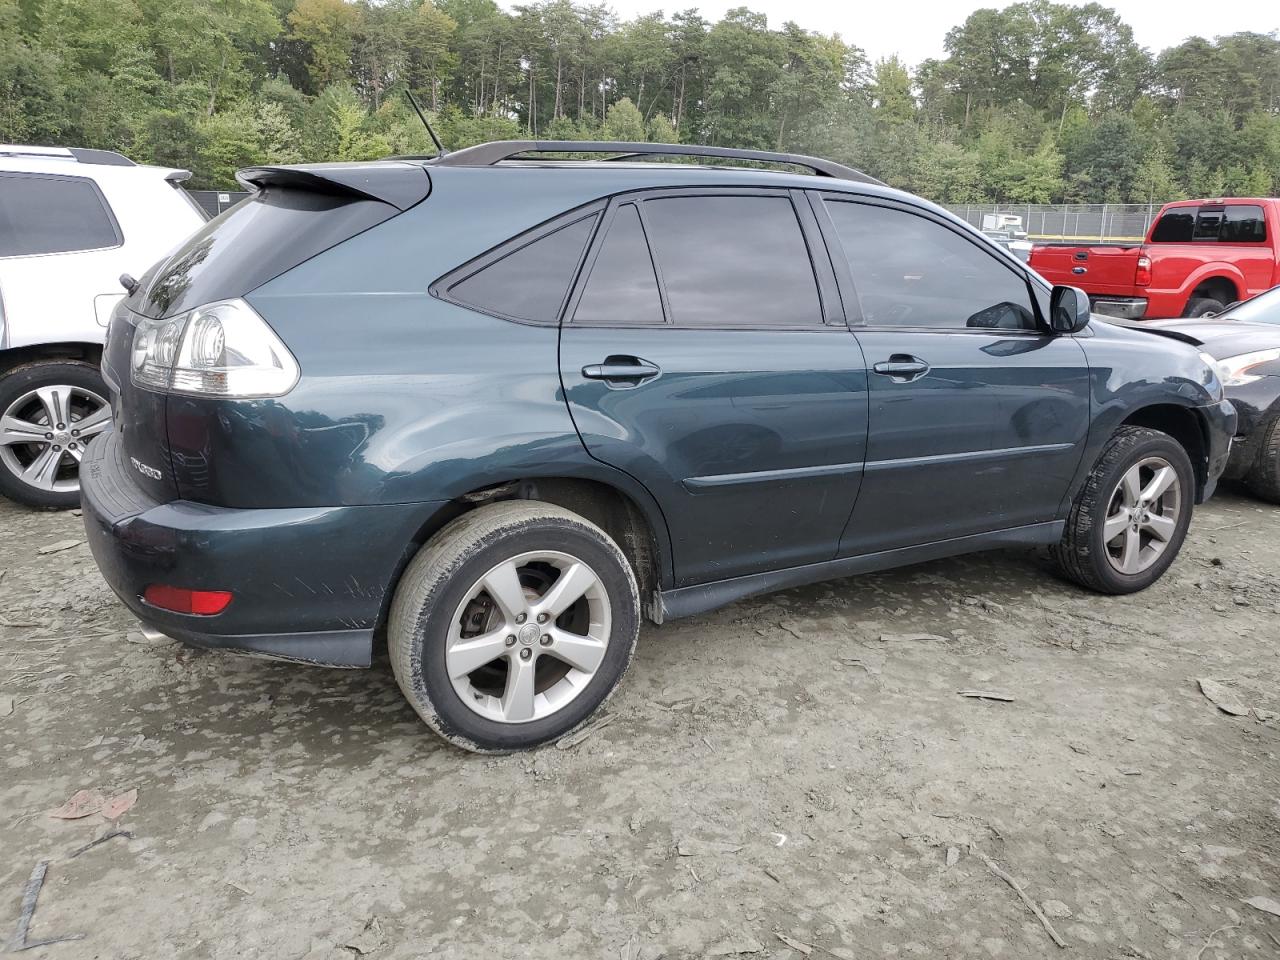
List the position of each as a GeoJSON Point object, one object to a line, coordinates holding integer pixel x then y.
{"type": "Point", "coordinates": [79, 154]}
{"type": "Point", "coordinates": [488, 154]}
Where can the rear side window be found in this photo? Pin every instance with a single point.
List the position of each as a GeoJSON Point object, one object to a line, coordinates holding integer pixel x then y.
{"type": "Point", "coordinates": [528, 282]}
{"type": "Point", "coordinates": [733, 261]}
{"type": "Point", "coordinates": [1208, 224]}
{"type": "Point", "coordinates": [910, 271]}
{"type": "Point", "coordinates": [47, 214]}
{"type": "Point", "coordinates": [1175, 226]}
{"type": "Point", "coordinates": [1244, 223]}
{"type": "Point", "coordinates": [621, 287]}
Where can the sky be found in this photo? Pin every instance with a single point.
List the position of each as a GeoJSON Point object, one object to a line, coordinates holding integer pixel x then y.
{"type": "Point", "coordinates": [915, 29]}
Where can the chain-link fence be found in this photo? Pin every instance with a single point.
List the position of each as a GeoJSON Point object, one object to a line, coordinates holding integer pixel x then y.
{"type": "Point", "coordinates": [1070, 222]}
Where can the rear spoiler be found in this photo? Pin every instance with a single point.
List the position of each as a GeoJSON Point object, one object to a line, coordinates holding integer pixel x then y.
{"type": "Point", "coordinates": [402, 185]}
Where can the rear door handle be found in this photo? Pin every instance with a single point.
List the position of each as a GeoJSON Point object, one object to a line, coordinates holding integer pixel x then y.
{"type": "Point", "coordinates": [902, 367]}
{"type": "Point", "coordinates": [621, 369]}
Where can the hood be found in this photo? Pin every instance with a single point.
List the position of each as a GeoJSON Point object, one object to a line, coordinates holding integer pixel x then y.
{"type": "Point", "coordinates": [1221, 338]}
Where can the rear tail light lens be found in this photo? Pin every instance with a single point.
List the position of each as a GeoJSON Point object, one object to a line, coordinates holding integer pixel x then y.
{"type": "Point", "coordinates": [204, 603]}
{"type": "Point", "coordinates": [1142, 277]}
{"type": "Point", "coordinates": [222, 349]}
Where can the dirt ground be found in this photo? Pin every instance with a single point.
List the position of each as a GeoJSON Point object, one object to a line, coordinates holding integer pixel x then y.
{"type": "Point", "coordinates": [794, 775]}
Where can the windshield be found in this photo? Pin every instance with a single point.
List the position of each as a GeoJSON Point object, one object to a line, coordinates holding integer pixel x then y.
{"type": "Point", "coordinates": [1264, 308]}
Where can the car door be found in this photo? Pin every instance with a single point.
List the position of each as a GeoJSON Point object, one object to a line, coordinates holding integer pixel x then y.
{"type": "Point", "coordinates": [978, 415]}
{"type": "Point", "coordinates": [704, 352]}
{"type": "Point", "coordinates": [57, 240]}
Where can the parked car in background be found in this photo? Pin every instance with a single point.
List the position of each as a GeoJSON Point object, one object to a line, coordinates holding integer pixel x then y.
{"type": "Point", "coordinates": [1019, 246]}
{"type": "Point", "coordinates": [1199, 256]}
{"type": "Point", "coordinates": [1244, 343]}
{"type": "Point", "coordinates": [501, 407]}
{"type": "Point", "coordinates": [71, 222]}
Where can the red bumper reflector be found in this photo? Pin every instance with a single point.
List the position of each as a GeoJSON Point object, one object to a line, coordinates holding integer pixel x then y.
{"type": "Point", "coordinates": [181, 600]}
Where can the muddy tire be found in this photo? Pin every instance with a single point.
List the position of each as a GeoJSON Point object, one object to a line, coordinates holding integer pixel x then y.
{"type": "Point", "coordinates": [1203, 307]}
{"type": "Point", "coordinates": [1130, 518]}
{"type": "Point", "coordinates": [1264, 477]}
{"type": "Point", "coordinates": [44, 405]}
{"type": "Point", "coordinates": [513, 625]}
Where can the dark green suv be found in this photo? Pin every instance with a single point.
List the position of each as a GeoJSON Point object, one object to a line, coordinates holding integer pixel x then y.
{"type": "Point", "coordinates": [500, 405]}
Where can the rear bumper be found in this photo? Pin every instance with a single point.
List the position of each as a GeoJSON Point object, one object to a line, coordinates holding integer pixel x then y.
{"type": "Point", "coordinates": [1127, 308]}
{"type": "Point", "coordinates": [308, 584]}
{"type": "Point", "coordinates": [1220, 418]}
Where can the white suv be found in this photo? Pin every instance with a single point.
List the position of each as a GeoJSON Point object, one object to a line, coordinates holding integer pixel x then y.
{"type": "Point", "coordinates": [71, 222]}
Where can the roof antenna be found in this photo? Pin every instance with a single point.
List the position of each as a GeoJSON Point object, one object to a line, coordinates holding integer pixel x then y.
{"type": "Point", "coordinates": [440, 150]}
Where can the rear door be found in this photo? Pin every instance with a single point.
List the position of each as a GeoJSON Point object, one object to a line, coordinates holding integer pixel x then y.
{"type": "Point", "coordinates": [704, 352]}
{"type": "Point", "coordinates": [978, 417]}
{"type": "Point", "coordinates": [58, 243]}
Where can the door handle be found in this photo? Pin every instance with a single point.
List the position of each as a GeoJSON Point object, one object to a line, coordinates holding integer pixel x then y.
{"type": "Point", "coordinates": [629, 370]}
{"type": "Point", "coordinates": [902, 367]}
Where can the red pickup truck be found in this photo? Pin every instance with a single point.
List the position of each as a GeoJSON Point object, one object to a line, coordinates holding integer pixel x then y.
{"type": "Point", "coordinates": [1199, 256]}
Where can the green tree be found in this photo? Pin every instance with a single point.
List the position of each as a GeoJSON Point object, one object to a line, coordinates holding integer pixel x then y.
{"type": "Point", "coordinates": [623, 122]}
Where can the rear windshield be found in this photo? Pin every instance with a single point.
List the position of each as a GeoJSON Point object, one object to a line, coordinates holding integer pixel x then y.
{"type": "Point", "coordinates": [1235, 223]}
{"type": "Point", "coordinates": [253, 242]}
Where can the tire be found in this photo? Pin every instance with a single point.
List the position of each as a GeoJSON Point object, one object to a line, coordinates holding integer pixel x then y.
{"type": "Point", "coordinates": [1084, 554]}
{"type": "Point", "coordinates": [442, 603]}
{"type": "Point", "coordinates": [1203, 307]}
{"type": "Point", "coordinates": [1263, 478]}
{"type": "Point", "coordinates": [34, 394]}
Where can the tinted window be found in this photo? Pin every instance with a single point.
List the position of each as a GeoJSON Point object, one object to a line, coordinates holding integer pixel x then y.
{"type": "Point", "coordinates": [1208, 224]}
{"type": "Point", "coordinates": [733, 261]}
{"type": "Point", "coordinates": [52, 215]}
{"type": "Point", "coordinates": [1243, 224]}
{"type": "Point", "coordinates": [530, 282]}
{"type": "Point", "coordinates": [1175, 226]}
{"type": "Point", "coordinates": [912, 272]}
{"type": "Point", "coordinates": [622, 287]}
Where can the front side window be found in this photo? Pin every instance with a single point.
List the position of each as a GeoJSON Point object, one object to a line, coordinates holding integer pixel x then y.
{"type": "Point", "coordinates": [48, 214]}
{"type": "Point", "coordinates": [530, 281]}
{"type": "Point", "coordinates": [733, 261]}
{"type": "Point", "coordinates": [910, 271]}
{"type": "Point", "coordinates": [1243, 223]}
{"type": "Point", "coordinates": [622, 287]}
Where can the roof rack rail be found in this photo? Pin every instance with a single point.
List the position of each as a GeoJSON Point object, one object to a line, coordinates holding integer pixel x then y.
{"type": "Point", "coordinates": [488, 154]}
{"type": "Point", "coordinates": [79, 154]}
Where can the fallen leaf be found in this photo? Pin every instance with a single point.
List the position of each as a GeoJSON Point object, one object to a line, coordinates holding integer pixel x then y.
{"type": "Point", "coordinates": [1265, 904]}
{"type": "Point", "coordinates": [985, 695]}
{"type": "Point", "coordinates": [796, 945]}
{"type": "Point", "coordinates": [1223, 697]}
{"type": "Point", "coordinates": [83, 803]}
{"type": "Point", "coordinates": [1262, 716]}
{"type": "Point", "coordinates": [117, 807]}
{"type": "Point", "coordinates": [58, 547]}
{"type": "Point", "coordinates": [368, 940]}
{"type": "Point", "coordinates": [910, 637]}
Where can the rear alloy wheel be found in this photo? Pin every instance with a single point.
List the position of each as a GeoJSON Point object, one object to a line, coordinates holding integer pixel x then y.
{"type": "Point", "coordinates": [1128, 521]}
{"type": "Point", "coordinates": [51, 410]}
{"type": "Point", "coordinates": [513, 625]}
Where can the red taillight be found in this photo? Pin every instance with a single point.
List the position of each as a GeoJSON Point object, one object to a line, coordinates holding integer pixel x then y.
{"type": "Point", "coordinates": [180, 600]}
{"type": "Point", "coordinates": [1142, 277]}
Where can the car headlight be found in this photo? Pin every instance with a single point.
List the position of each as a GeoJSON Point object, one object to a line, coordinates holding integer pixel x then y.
{"type": "Point", "coordinates": [1238, 370]}
{"type": "Point", "coordinates": [222, 349]}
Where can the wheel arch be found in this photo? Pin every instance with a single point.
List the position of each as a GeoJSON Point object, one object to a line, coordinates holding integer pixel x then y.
{"type": "Point", "coordinates": [631, 517]}
{"type": "Point", "coordinates": [1217, 281]}
{"type": "Point", "coordinates": [70, 350]}
{"type": "Point", "coordinates": [1187, 426]}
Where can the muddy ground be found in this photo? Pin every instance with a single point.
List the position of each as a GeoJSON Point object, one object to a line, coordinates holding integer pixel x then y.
{"type": "Point", "coordinates": [795, 766]}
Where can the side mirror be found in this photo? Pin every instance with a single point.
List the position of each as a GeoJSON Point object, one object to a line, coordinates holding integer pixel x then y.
{"type": "Point", "coordinates": [1068, 310]}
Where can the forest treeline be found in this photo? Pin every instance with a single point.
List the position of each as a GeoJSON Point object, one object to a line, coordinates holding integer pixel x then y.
{"type": "Point", "coordinates": [1039, 102]}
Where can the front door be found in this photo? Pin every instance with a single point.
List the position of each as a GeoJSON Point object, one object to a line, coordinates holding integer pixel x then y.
{"type": "Point", "coordinates": [704, 356]}
{"type": "Point", "coordinates": [978, 415]}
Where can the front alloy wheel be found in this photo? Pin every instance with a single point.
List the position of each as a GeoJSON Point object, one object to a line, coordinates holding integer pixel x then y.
{"type": "Point", "coordinates": [1143, 515]}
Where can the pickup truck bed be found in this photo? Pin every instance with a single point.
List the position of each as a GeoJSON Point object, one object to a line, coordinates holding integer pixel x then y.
{"type": "Point", "coordinates": [1199, 255]}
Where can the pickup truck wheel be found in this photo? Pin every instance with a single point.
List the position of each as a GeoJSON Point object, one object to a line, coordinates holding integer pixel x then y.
{"type": "Point", "coordinates": [1128, 522]}
{"type": "Point", "coordinates": [49, 410]}
{"type": "Point", "coordinates": [1264, 478]}
{"type": "Point", "coordinates": [1203, 307]}
{"type": "Point", "coordinates": [513, 625]}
